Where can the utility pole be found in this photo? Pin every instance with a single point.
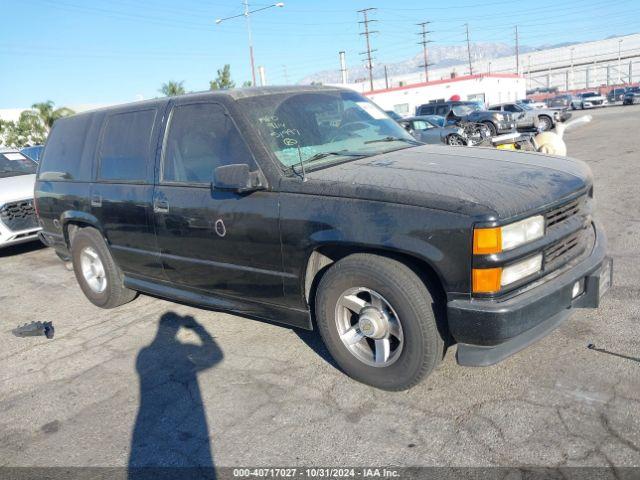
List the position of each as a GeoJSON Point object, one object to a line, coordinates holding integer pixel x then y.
{"type": "Point", "coordinates": [343, 67]}
{"type": "Point", "coordinates": [466, 25]}
{"type": "Point", "coordinates": [517, 52]}
{"type": "Point", "coordinates": [366, 33]}
{"type": "Point", "coordinates": [286, 74]}
{"type": "Point", "coordinates": [425, 53]}
{"type": "Point", "coordinates": [386, 77]}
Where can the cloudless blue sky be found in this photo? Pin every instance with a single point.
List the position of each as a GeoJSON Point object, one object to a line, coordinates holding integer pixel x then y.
{"type": "Point", "coordinates": [93, 52]}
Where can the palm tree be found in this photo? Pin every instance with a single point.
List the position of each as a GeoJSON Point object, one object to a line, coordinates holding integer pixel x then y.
{"type": "Point", "coordinates": [48, 114]}
{"type": "Point", "coordinates": [171, 88]}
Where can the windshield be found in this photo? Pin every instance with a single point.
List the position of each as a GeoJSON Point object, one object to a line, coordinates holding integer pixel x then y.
{"type": "Point", "coordinates": [589, 94]}
{"type": "Point", "coordinates": [524, 106]}
{"type": "Point", "coordinates": [15, 163]}
{"type": "Point", "coordinates": [322, 127]}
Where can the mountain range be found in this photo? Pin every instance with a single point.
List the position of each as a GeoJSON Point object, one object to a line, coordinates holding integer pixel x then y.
{"type": "Point", "coordinates": [440, 56]}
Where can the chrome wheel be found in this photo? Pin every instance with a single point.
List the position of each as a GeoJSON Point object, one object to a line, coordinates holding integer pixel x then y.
{"type": "Point", "coordinates": [93, 270]}
{"type": "Point", "coordinates": [455, 140]}
{"type": "Point", "coordinates": [544, 124]}
{"type": "Point", "coordinates": [369, 327]}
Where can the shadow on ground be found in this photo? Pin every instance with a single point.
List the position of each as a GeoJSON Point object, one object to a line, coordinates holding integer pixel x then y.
{"type": "Point", "coordinates": [171, 435]}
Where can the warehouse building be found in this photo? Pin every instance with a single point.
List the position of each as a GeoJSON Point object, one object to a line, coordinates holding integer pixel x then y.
{"type": "Point", "coordinates": [487, 88]}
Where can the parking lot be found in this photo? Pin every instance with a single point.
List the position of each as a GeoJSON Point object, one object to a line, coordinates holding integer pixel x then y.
{"type": "Point", "coordinates": [259, 394]}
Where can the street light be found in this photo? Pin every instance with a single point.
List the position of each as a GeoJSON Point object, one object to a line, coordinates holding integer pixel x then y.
{"type": "Point", "coordinates": [246, 15]}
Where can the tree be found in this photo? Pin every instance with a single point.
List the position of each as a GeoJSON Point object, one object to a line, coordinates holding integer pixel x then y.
{"type": "Point", "coordinates": [28, 130]}
{"type": "Point", "coordinates": [247, 84]}
{"type": "Point", "coordinates": [223, 81]}
{"type": "Point", "coordinates": [32, 127]}
{"type": "Point", "coordinates": [48, 114]}
{"type": "Point", "coordinates": [172, 88]}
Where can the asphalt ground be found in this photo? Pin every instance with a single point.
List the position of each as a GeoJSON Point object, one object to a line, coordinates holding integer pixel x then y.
{"type": "Point", "coordinates": [123, 387]}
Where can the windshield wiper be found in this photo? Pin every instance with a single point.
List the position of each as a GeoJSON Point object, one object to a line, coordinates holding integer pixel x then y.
{"type": "Point", "coordinates": [321, 155]}
{"type": "Point", "coordinates": [394, 139]}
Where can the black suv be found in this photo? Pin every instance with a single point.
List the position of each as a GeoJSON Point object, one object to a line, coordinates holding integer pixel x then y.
{"type": "Point", "coordinates": [496, 122]}
{"type": "Point", "coordinates": [310, 207]}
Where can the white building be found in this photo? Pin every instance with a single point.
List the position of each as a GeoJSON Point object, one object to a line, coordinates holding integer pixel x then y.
{"type": "Point", "coordinates": [488, 88]}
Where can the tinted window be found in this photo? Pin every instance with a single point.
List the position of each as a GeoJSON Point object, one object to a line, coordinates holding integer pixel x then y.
{"type": "Point", "coordinates": [14, 163]}
{"type": "Point", "coordinates": [511, 108]}
{"type": "Point", "coordinates": [200, 138]}
{"type": "Point", "coordinates": [125, 145]}
{"type": "Point", "coordinates": [62, 158]}
{"type": "Point", "coordinates": [442, 110]}
{"type": "Point", "coordinates": [426, 110]}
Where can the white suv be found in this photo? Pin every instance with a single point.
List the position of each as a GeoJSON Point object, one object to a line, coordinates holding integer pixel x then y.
{"type": "Point", "coordinates": [18, 220]}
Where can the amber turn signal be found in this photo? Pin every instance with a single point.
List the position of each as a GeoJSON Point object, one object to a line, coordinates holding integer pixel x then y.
{"type": "Point", "coordinates": [487, 240]}
{"type": "Point", "coordinates": [486, 280]}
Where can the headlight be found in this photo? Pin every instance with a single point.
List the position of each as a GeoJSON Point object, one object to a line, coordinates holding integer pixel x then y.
{"type": "Point", "coordinates": [491, 280]}
{"type": "Point", "coordinates": [499, 239]}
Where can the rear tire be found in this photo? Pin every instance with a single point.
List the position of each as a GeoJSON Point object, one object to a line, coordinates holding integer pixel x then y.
{"type": "Point", "coordinates": [544, 123]}
{"type": "Point", "coordinates": [97, 274]}
{"type": "Point", "coordinates": [380, 288]}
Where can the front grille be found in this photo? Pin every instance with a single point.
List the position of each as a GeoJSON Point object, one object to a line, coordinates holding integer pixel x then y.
{"type": "Point", "coordinates": [564, 212]}
{"type": "Point", "coordinates": [571, 246]}
{"type": "Point", "coordinates": [19, 216]}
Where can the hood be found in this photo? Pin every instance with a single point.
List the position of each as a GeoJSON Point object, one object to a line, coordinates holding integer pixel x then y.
{"type": "Point", "coordinates": [16, 188]}
{"type": "Point", "coordinates": [481, 182]}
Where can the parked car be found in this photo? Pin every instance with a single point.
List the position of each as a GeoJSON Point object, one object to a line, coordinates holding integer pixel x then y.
{"type": "Point", "coordinates": [632, 96]}
{"type": "Point", "coordinates": [310, 207]}
{"type": "Point", "coordinates": [33, 152]}
{"type": "Point", "coordinates": [496, 122]}
{"type": "Point", "coordinates": [433, 130]}
{"type": "Point", "coordinates": [589, 100]}
{"type": "Point", "coordinates": [529, 118]}
{"type": "Point", "coordinates": [616, 95]}
{"type": "Point", "coordinates": [18, 221]}
{"type": "Point", "coordinates": [562, 101]}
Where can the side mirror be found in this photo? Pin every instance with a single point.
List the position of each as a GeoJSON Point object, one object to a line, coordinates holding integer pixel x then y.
{"type": "Point", "coordinates": [238, 178]}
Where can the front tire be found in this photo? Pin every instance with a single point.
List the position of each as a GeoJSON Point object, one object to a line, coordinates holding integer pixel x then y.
{"type": "Point", "coordinates": [97, 274]}
{"type": "Point", "coordinates": [378, 321]}
{"type": "Point", "coordinates": [544, 123]}
{"type": "Point", "coordinates": [493, 131]}
{"type": "Point", "coordinates": [455, 140]}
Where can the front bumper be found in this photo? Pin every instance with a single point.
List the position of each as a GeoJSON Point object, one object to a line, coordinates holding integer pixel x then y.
{"type": "Point", "coordinates": [10, 237]}
{"type": "Point", "coordinates": [488, 331]}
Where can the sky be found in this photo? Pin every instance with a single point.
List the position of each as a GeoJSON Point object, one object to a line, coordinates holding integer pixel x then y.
{"type": "Point", "coordinates": [78, 52]}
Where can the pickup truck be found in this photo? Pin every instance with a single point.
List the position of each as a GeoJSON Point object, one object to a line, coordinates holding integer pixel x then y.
{"type": "Point", "coordinates": [310, 207]}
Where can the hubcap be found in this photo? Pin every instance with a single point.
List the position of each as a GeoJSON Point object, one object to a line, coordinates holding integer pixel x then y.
{"type": "Point", "coordinates": [369, 327]}
{"type": "Point", "coordinates": [93, 270]}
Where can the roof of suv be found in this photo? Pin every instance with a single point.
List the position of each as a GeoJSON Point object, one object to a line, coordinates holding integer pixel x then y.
{"type": "Point", "coordinates": [234, 93]}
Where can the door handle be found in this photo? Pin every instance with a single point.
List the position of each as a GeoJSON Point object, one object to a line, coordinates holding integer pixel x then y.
{"type": "Point", "coordinates": [96, 200]}
{"type": "Point", "coordinates": [160, 206]}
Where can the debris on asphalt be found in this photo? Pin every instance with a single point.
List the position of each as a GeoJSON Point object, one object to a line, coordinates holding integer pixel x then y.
{"type": "Point", "coordinates": [35, 329]}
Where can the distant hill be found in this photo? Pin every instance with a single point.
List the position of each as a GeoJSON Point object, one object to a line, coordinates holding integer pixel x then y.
{"type": "Point", "coordinates": [439, 57]}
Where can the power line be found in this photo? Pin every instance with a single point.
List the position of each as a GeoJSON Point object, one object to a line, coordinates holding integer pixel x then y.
{"type": "Point", "coordinates": [425, 53]}
{"type": "Point", "coordinates": [367, 33]}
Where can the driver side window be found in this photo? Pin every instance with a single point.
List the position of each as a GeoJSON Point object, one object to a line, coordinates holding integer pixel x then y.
{"type": "Point", "coordinates": [199, 138]}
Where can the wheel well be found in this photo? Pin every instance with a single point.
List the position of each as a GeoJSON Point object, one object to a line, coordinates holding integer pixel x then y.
{"type": "Point", "coordinates": [322, 258]}
{"type": "Point", "coordinates": [71, 229]}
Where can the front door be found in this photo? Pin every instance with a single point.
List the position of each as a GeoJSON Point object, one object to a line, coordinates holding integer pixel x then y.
{"type": "Point", "coordinates": [212, 241]}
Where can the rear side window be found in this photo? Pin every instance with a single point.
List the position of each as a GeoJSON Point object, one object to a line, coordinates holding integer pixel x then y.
{"type": "Point", "coordinates": [200, 138]}
{"type": "Point", "coordinates": [424, 110]}
{"type": "Point", "coordinates": [125, 146]}
{"type": "Point", "coordinates": [62, 158]}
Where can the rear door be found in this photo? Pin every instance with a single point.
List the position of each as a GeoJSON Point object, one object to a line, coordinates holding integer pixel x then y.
{"type": "Point", "coordinates": [212, 241]}
{"type": "Point", "coordinates": [122, 194]}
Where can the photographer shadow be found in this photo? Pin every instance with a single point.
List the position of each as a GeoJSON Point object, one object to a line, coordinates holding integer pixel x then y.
{"type": "Point", "coordinates": [171, 436]}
